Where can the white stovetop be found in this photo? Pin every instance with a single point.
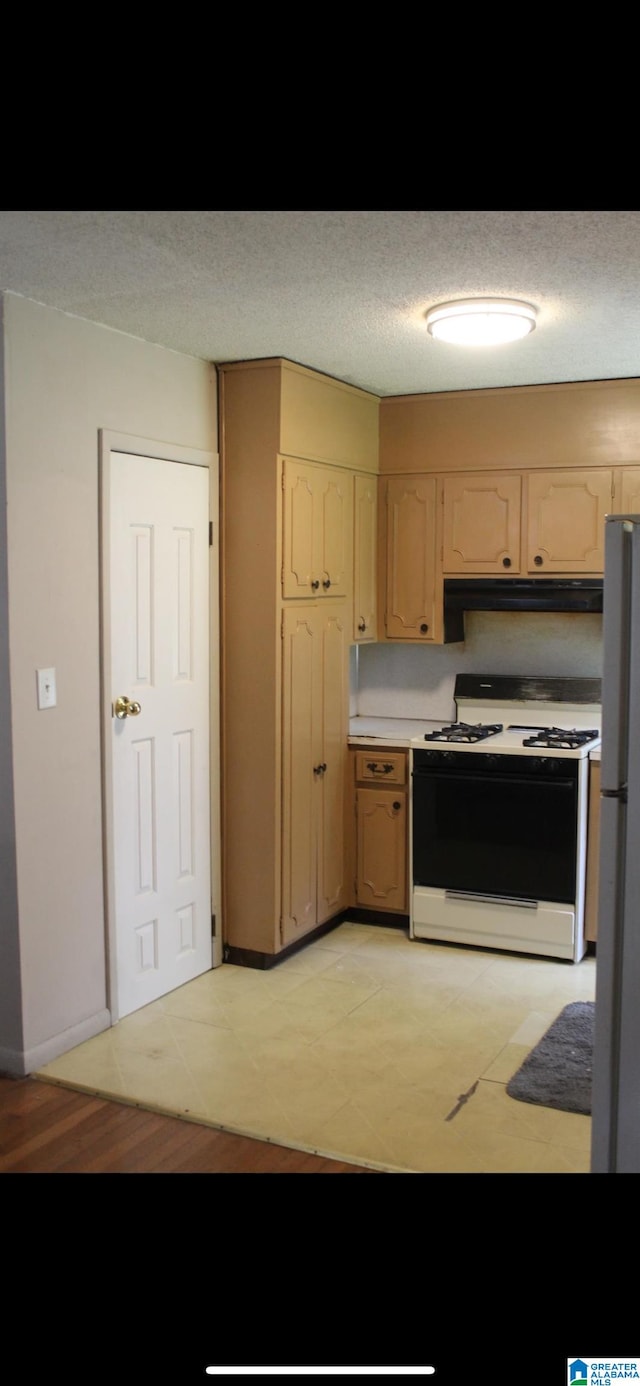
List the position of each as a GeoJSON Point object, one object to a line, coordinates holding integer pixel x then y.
{"type": "Point", "coordinates": [520, 721]}
{"type": "Point", "coordinates": [508, 742]}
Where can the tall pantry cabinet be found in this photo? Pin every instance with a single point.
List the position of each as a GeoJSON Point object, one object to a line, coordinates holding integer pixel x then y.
{"type": "Point", "coordinates": [298, 451]}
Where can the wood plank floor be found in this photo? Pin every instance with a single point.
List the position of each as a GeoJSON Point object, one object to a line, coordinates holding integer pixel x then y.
{"type": "Point", "coordinates": [45, 1129]}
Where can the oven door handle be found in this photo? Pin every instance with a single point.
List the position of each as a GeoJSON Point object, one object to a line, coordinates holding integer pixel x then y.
{"type": "Point", "coordinates": [524, 903]}
{"type": "Point", "coordinates": [494, 777]}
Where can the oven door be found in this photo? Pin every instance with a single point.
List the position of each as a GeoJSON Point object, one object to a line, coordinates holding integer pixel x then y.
{"type": "Point", "coordinates": [492, 825]}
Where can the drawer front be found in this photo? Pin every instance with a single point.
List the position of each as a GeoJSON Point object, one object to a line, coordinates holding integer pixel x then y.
{"type": "Point", "coordinates": [391, 768]}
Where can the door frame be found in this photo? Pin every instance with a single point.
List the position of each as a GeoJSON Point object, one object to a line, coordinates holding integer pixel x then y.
{"type": "Point", "coordinates": [109, 442]}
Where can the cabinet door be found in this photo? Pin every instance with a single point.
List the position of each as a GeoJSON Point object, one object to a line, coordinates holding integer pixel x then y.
{"type": "Point", "coordinates": [411, 558]}
{"type": "Point", "coordinates": [333, 498]}
{"type": "Point", "coordinates": [333, 708]}
{"type": "Point", "coordinates": [629, 492]}
{"type": "Point", "coordinates": [364, 559]}
{"type": "Point", "coordinates": [382, 849]}
{"type": "Point", "coordinates": [316, 530]}
{"type": "Point", "coordinates": [301, 747]}
{"type": "Point", "coordinates": [481, 524]}
{"type": "Point", "coordinates": [566, 517]}
{"type": "Point", "coordinates": [300, 575]}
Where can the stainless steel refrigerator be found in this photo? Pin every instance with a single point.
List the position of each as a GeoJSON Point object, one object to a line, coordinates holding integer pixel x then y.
{"type": "Point", "coordinates": [615, 1125]}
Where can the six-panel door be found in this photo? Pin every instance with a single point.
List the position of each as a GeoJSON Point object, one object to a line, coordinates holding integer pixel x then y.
{"type": "Point", "coordinates": [159, 746]}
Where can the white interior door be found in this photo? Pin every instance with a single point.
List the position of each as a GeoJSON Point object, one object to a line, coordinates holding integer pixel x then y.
{"type": "Point", "coordinates": [158, 643]}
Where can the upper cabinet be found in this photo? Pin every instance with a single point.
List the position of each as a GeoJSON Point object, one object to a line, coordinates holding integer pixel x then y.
{"type": "Point", "coordinates": [532, 523]}
{"type": "Point", "coordinates": [566, 515]}
{"type": "Point", "coordinates": [481, 523]}
{"type": "Point", "coordinates": [317, 530]}
{"type": "Point", "coordinates": [409, 515]}
{"type": "Point", "coordinates": [627, 493]}
{"type": "Point", "coordinates": [365, 558]}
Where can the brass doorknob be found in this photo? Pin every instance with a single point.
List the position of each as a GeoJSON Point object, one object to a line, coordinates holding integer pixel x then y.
{"type": "Point", "coordinates": [125, 707]}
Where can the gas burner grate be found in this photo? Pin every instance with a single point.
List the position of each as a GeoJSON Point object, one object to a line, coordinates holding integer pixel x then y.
{"type": "Point", "coordinates": [561, 738]}
{"type": "Point", "coordinates": [465, 731]}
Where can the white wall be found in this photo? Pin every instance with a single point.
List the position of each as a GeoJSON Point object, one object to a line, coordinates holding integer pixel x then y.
{"type": "Point", "coordinates": [64, 380]}
{"type": "Point", "coordinates": [10, 988]}
{"type": "Point", "coordinates": [417, 680]}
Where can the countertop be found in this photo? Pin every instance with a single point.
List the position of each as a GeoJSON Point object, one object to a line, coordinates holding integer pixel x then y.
{"type": "Point", "coordinates": [390, 731]}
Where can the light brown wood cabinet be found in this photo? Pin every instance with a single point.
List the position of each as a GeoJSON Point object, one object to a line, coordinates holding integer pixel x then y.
{"type": "Point", "coordinates": [532, 523]}
{"type": "Point", "coordinates": [566, 517]}
{"type": "Point", "coordinates": [410, 570]}
{"type": "Point", "coordinates": [481, 523]}
{"type": "Point", "coordinates": [365, 559]}
{"type": "Point", "coordinates": [627, 493]}
{"type": "Point", "coordinates": [381, 798]}
{"type": "Point", "coordinates": [292, 442]}
{"type": "Point", "coordinates": [315, 729]}
{"type": "Point", "coordinates": [593, 854]}
{"type": "Point", "coordinates": [317, 543]}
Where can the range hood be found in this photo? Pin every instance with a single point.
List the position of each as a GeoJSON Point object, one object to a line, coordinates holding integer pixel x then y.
{"type": "Point", "coordinates": [521, 594]}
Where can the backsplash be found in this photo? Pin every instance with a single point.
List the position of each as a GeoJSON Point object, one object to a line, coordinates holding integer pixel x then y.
{"type": "Point", "coordinates": [417, 681]}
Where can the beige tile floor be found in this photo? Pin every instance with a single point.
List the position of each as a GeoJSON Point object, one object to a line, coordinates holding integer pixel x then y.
{"type": "Point", "coordinates": [365, 1045]}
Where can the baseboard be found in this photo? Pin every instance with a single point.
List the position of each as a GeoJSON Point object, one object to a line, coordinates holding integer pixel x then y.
{"type": "Point", "coordinates": [19, 1063]}
{"type": "Point", "coordinates": [249, 957]}
{"type": "Point", "coordinates": [392, 920]}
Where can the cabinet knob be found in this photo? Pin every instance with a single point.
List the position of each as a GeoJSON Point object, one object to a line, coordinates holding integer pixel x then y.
{"type": "Point", "coordinates": [362, 625]}
{"type": "Point", "coordinates": [397, 805]}
{"type": "Point", "coordinates": [315, 584]}
{"type": "Point", "coordinates": [538, 561]}
{"type": "Point", "coordinates": [424, 627]}
{"type": "Point", "coordinates": [506, 562]}
{"type": "Point", "coordinates": [326, 583]}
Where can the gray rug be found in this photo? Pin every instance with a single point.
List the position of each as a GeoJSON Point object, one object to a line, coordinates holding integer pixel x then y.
{"type": "Point", "coordinates": [557, 1073]}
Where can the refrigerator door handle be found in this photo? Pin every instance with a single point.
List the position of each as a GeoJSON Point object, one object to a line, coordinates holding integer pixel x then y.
{"type": "Point", "coordinates": [615, 1124]}
{"type": "Point", "coordinates": [616, 625]}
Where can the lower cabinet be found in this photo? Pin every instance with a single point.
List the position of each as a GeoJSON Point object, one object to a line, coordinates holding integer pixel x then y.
{"type": "Point", "coordinates": [593, 854]}
{"type": "Point", "coordinates": [315, 842]}
{"type": "Point", "coordinates": [380, 782]}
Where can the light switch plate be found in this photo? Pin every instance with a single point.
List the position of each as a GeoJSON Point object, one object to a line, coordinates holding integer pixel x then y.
{"type": "Point", "coordinates": [46, 687]}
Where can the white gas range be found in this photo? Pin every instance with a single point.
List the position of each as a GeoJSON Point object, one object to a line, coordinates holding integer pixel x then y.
{"type": "Point", "coordinates": [498, 818]}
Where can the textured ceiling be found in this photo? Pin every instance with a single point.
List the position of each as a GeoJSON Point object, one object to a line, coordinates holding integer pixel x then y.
{"type": "Point", "coordinates": [344, 292]}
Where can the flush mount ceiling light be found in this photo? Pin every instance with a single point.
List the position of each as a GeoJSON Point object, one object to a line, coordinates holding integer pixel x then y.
{"type": "Point", "coordinates": [481, 321]}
